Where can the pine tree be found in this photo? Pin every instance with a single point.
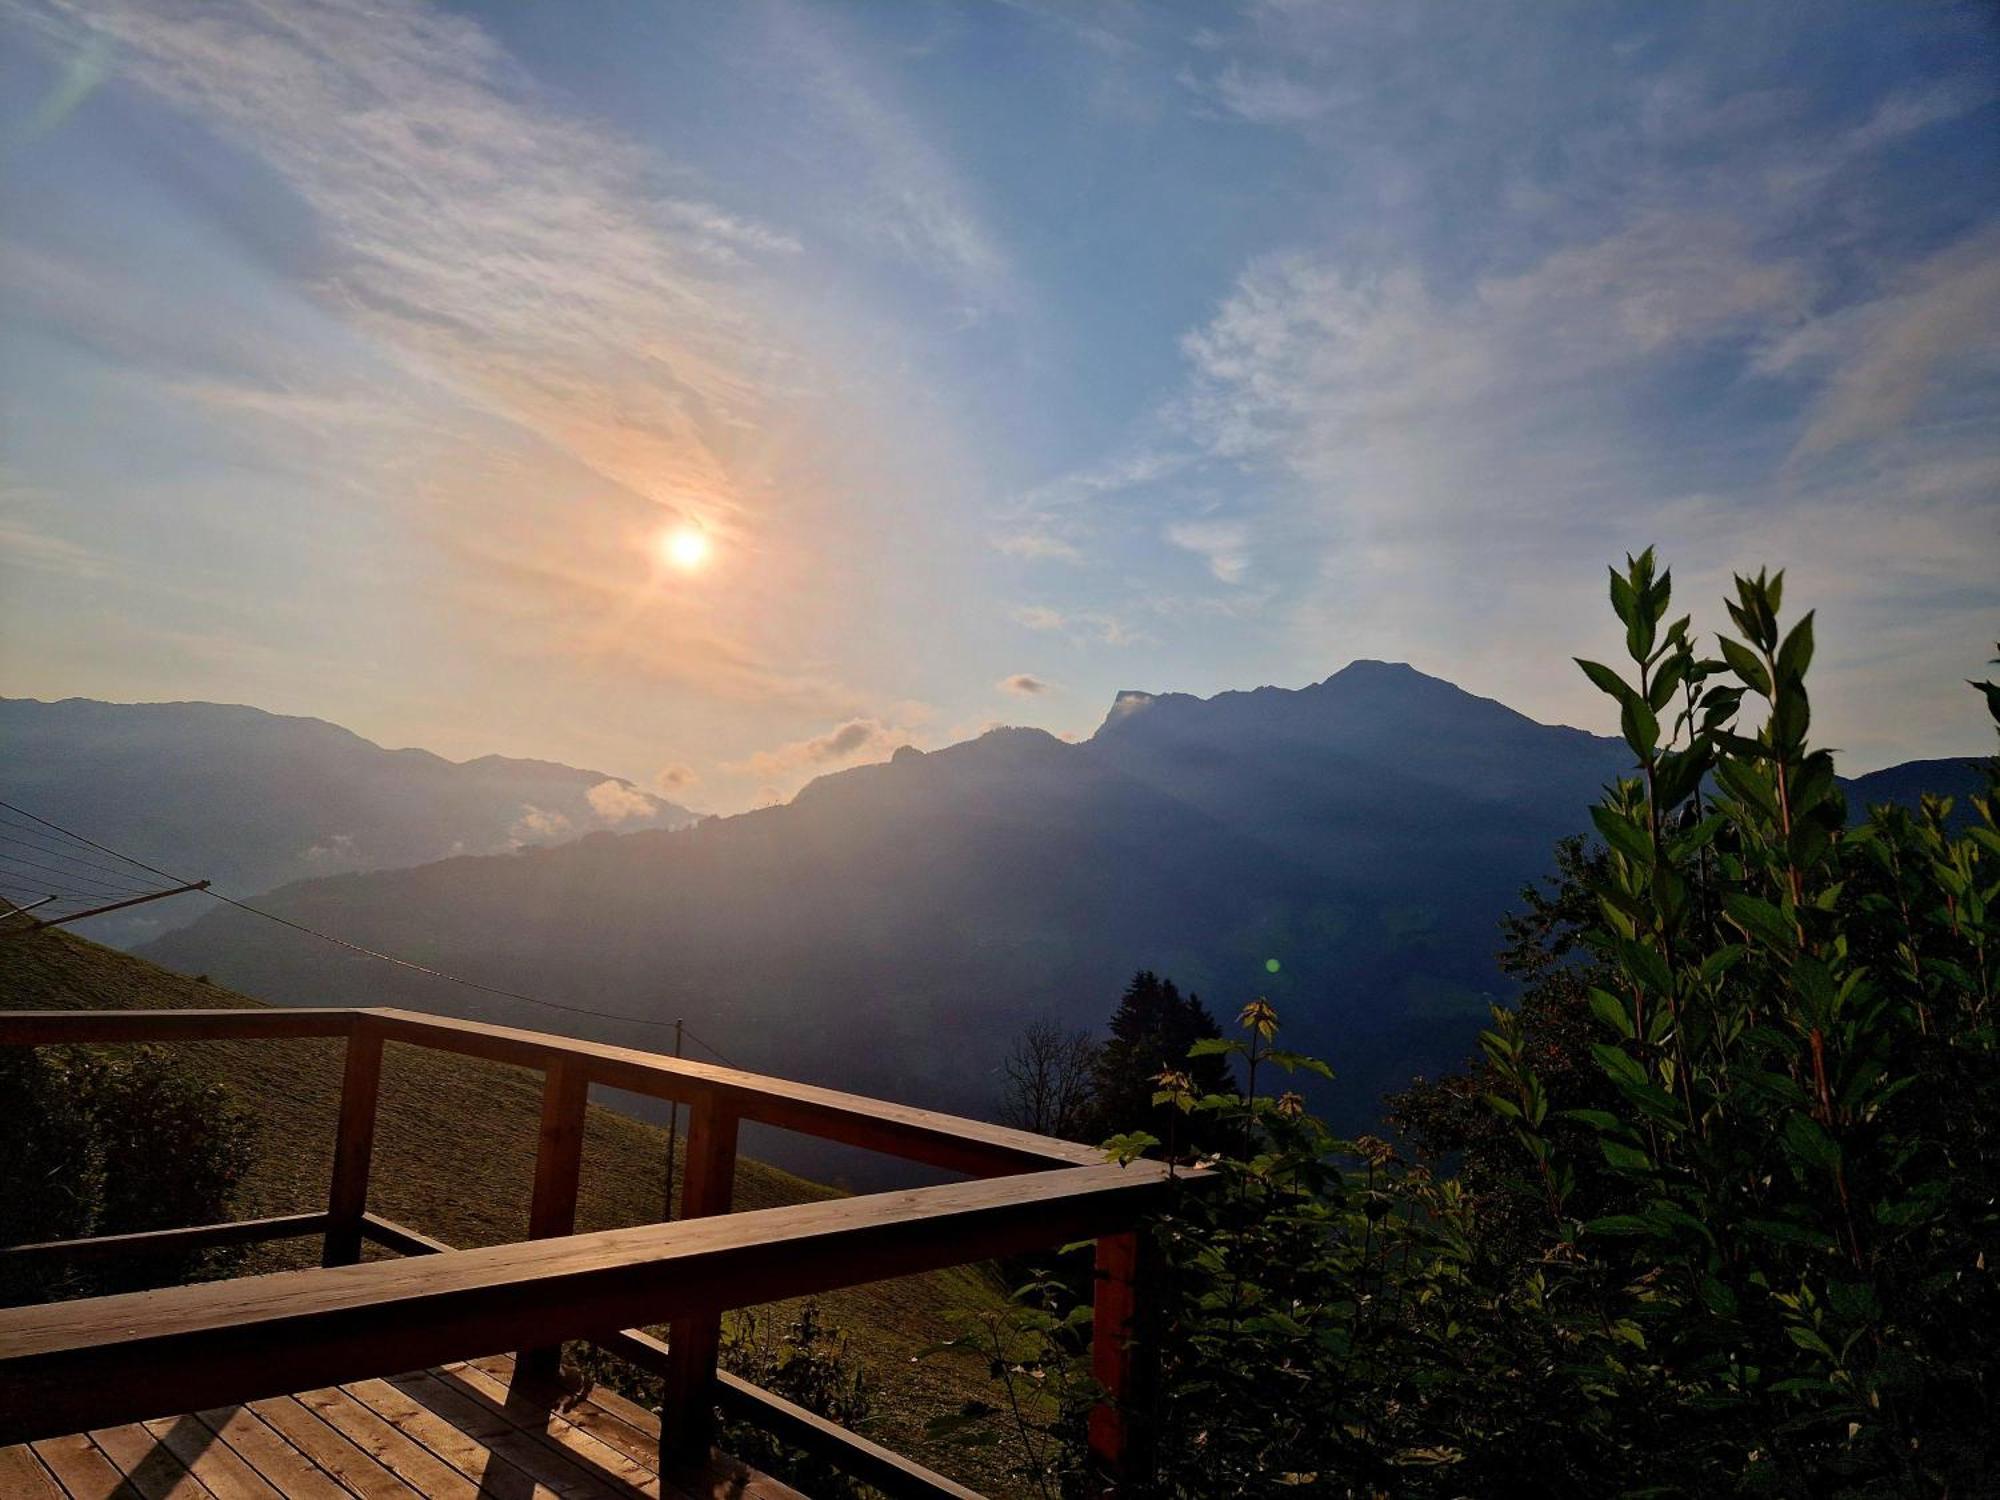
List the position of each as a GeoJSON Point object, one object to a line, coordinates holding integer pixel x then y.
{"type": "Point", "coordinates": [1151, 1032]}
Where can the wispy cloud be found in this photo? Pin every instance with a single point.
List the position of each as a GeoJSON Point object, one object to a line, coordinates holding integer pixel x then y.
{"type": "Point", "coordinates": [1935, 329]}
{"type": "Point", "coordinates": [500, 247]}
{"type": "Point", "coordinates": [1023, 685]}
{"type": "Point", "coordinates": [1037, 544]}
{"type": "Point", "coordinates": [1097, 625]}
{"type": "Point", "coordinates": [1223, 545]}
{"type": "Point", "coordinates": [591, 356]}
{"type": "Point", "coordinates": [848, 743]}
{"type": "Point", "coordinates": [904, 192]}
{"type": "Point", "coordinates": [29, 541]}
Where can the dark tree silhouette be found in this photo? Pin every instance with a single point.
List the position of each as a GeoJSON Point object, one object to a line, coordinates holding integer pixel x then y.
{"type": "Point", "coordinates": [1048, 1081]}
{"type": "Point", "coordinates": [1151, 1032]}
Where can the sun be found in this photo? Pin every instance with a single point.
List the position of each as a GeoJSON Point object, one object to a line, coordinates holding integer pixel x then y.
{"type": "Point", "coordinates": [684, 547]}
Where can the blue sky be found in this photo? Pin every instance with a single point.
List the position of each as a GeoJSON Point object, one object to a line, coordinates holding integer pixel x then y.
{"type": "Point", "coordinates": [354, 359]}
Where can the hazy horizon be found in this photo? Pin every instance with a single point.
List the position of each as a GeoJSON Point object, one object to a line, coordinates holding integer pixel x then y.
{"type": "Point", "coordinates": [719, 397]}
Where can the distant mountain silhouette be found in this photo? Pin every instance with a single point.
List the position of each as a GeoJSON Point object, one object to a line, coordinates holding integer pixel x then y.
{"type": "Point", "coordinates": [1346, 849]}
{"type": "Point", "coordinates": [254, 800]}
{"type": "Point", "coordinates": [1906, 784]}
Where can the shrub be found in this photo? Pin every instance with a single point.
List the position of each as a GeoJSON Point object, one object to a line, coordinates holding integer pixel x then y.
{"type": "Point", "coordinates": [101, 1144]}
{"type": "Point", "coordinates": [1713, 1214]}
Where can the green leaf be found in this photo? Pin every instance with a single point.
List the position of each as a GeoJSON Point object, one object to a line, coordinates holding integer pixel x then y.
{"type": "Point", "coordinates": [1214, 1046]}
{"type": "Point", "coordinates": [1809, 1141]}
{"type": "Point", "coordinates": [1797, 652]}
{"type": "Point", "coordinates": [1743, 662]}
{"type": "Point", "coordinates": [1622, 834]}
{"type": "Point", "coordinates": [1699, 836]}
{"type": "Point", "coordinates": [1609, 1009]}
{"type": "Point", "coordinates": [1623, 600]}
{"type": "Point", "coordinates": [1619, 1224]}
{"type": "Point", "coordinates": [1598, 1119]}
{"type": "Point", "coordinates": [1761, 920]}
{"type": "Point", "coordinates": [1666, 681]}
{"type": "Point", "coordinates": [1625, 1158]}
{"type": "Point", "coordinates": [1607, 680]}
{"type": "Point", "coordinates": [1293, 1062]}
{"type": "Point", "coordinates": [1721, 961]}
{"type": "Point", "coordinates": [1618, 1063]}
{"type": "Point", "coordinates": [1805, 1338]}
{"type": "Point", "coordinates": [1129, 1147]}
{"type": "Point", "coordinates": [1718, 1298]}
{"type": "Point", "coordinates": [1785, 1232]}
{"type": "Point", "coordinates": [1640, 726]}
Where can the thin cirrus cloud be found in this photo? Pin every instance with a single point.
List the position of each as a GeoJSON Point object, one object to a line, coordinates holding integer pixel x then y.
{"type": "Point", "coordinates": [1697, 309]}
{"type": "Point", "coordinates": [1223, 545]}
{"type": "Point", "coordinates": [525, 271]}
{"type": "Point", "coordinates": [573, 359]}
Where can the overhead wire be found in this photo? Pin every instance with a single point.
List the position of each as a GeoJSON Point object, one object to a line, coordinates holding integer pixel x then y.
{"type": "Point", "coordinates": [375, 953]}
{"type": "Point", "coordinates": [70, 875]}
{"type": "Point", "coordinates": [45, 842]}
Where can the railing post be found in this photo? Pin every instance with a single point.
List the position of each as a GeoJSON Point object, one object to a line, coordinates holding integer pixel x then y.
{"type": "Point", "coordinates": [687, 1414]}
{"type": "Point", "coordinates": [1119, 1441]}
{"type": "Point", "coordinates": [353, 1144]}
{"type": "Point", "coordinates": [558, 1166]}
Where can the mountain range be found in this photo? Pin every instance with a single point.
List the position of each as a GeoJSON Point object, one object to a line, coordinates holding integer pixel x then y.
{"type": "Point", "coordinates": [254, 800]}
{"type": "Point", "coordinates": [1345, 849]}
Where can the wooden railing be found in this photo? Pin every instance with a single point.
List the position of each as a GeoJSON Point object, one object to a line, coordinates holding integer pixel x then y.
{"type": "Point", "coordinates": [70, 1366]}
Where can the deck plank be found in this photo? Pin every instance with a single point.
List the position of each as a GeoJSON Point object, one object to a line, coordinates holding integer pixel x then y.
{"type": "Point", "coordinates": [539, 1420]}
{"type": "Point", "coordinates": [546, 1462]}
{"type": "Point", "coordinates": [499, 1475]}
{"type": "Point", "coordinates": [211, 1460]}
{"type": "Point", "coordinates": [22, 1474]}
{"type": "Point", "coordinates": [472, 1430]}
{"type": "Point", "coordinates": [382, 1440]}
{"type": "Point", "coordinates": [332, 1452]}
{"type": "Point", "coordinates": [148, 1465]}
{"type": "Point", "coordinates": [602, 1413]}
{"type": "Point", "coordinates": [82, 1469]}
{"type": "Point", "coordinates": [266, 1451]}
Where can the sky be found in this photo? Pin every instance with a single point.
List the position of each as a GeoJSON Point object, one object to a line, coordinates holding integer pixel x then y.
{"type": "Point", "coordinates": [359, 357]}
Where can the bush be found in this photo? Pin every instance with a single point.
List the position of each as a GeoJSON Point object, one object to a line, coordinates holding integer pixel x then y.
{"type": "Point", "coordinates": [1713, 1214]}
{"type": "Point", "coordinates": [103, 1145]}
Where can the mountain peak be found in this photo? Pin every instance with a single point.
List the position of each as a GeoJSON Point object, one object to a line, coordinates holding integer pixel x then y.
{"type": "Point", "coordinates": [1365, 668]}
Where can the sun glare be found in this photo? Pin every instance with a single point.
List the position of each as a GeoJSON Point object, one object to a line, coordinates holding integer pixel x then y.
{"type": "Point", "coordinates": [684, 547]}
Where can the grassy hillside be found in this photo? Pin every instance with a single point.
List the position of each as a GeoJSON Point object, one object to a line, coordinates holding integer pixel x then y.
{"type": "Point", "coordinates": [454, 1157]}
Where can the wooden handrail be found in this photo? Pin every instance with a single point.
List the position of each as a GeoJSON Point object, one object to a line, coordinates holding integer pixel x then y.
{"type": "Point", "coordinates": [96, 1361]}
{"type": "Point", "coordinates": [177, 1241]}
{"type": "Point", "coordinates": [48, 1028]}
{"type": "Point", "coordinates": [104, 1361]}
{"type": "Point", "coordinates": [950, 1141]}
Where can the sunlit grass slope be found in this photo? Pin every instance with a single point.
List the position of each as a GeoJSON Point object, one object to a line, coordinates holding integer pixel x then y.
{"type": "Point", "coordinates": [454, 1157]}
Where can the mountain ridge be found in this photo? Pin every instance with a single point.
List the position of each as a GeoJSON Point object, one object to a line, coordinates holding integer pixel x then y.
{"type": "Point", "coordinates": [1345, 849]}
{"type": "Point", "coordinates": [255, 800]}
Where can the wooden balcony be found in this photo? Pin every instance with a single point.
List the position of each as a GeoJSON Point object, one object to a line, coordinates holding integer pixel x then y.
{"type": "Point", "coordinates": [138, 1362]}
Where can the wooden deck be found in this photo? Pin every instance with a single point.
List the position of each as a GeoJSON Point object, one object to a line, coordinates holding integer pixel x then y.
{"type": "Point", "coordinates": [474, 1430]}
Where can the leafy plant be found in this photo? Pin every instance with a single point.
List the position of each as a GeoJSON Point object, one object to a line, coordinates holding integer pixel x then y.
{"type": "Point", "coordinates": [101, 1144]}
{"type": "Point", "coordinates": [1714, 1211]}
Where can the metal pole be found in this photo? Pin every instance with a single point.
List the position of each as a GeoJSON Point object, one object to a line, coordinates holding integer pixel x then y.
{"type": "Point", "coordinates": [673, 1126]}
{"type": "Point", "coordinates": [98, 911]}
